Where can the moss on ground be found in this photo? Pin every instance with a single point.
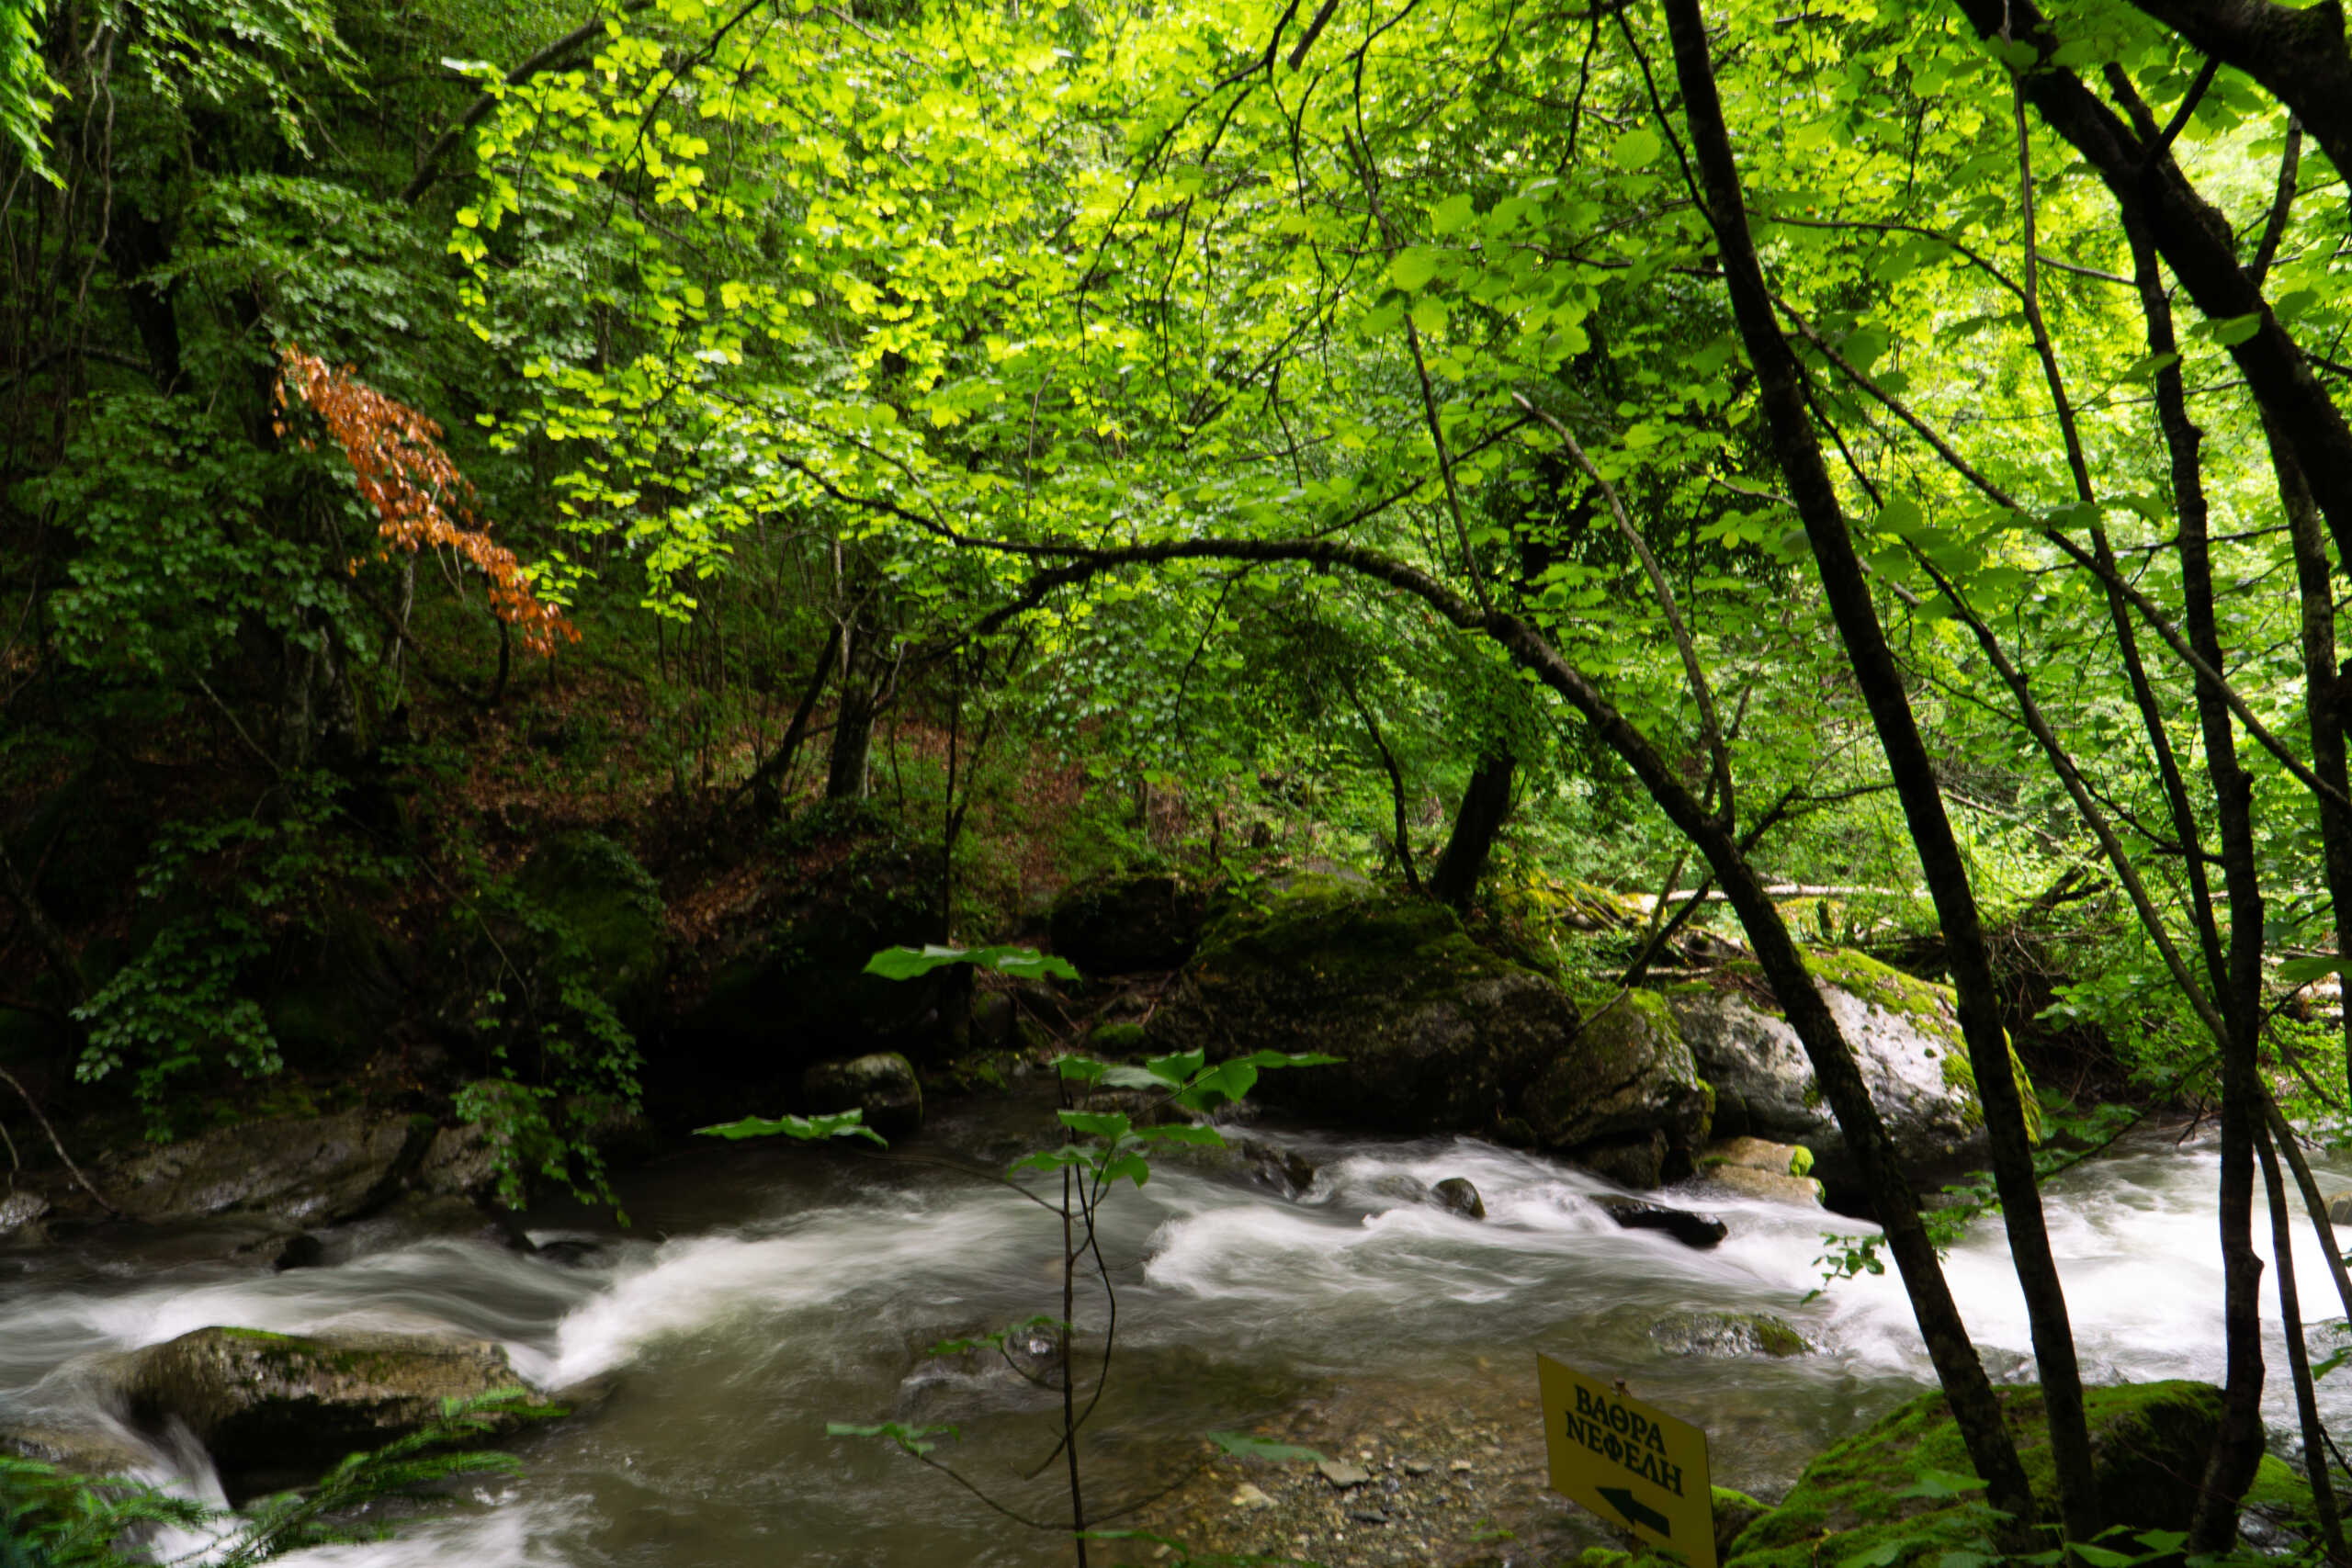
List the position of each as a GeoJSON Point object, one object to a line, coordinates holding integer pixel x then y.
{"type": "Point", "coordinates": [2149, 1440]}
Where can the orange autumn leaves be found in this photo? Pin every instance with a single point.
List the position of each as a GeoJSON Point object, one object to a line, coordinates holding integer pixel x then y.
{"type": "Point", "coordinates": [421, 499]}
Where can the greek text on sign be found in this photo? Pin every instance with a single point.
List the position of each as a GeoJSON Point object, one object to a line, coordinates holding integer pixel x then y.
{"type": "Point", "coordinates": [1636, 1467]}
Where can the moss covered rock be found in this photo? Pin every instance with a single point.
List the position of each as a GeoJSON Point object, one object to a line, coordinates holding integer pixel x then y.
{"type": "Point", "coordinates": [307, 1170]}
{"type": "Point", "coordinates": [1905, 1035]}
{"type": "Point", "coordinates": [1623, 1094]}
{"type": "Point", "coordinates": [2148, 1443]}
{"type": "Point", "coordinates": [881, 1084]}
{"type": "Point", "coordinates": [1437, 1033]}
{"type": "Point", "coordinates": [274, 1406]}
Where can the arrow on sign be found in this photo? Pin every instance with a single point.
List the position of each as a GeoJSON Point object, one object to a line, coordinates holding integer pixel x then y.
{"type": "Point", "coordinates": [1637, 1513]}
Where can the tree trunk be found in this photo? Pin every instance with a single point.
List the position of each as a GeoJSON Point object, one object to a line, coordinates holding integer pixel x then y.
{"type": "Point", "coordinates": [1486, 805]}
{"type": "Point", "coordinates": [853, 717]}
{"type": "Point", "coordinates": [1874, 665]}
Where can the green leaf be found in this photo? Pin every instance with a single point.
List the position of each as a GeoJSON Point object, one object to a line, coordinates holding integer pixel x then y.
{"type": "Point", "coordinates": [1941, 1483]}
{"type": "Point", "coordinates": [1413, 268]}
{"type": "Point", "coordinates": [1453, 213]}
{"type": "Point", "coordinates": [1023, 963]}
{"type": "Point", "coordinates": [1182, 1133]}
{"type": "Point", "coordinates": [913, 1439]}
{"type": "Point", "coordinates": [1638, 148]}
{"type": "Point", "coordinates": [808, 1129]}
{"type": "Point", "coordinates": [1111, 1124]}
{"type": "Point", "coordinates": [2303, 970]}
{"type": "Point", "coordinates": [1241, 1445]}
{"type": "Point", "coordinates": [1082, 1069]}
{"type": "Point", "coordinates": [1177, 1068]}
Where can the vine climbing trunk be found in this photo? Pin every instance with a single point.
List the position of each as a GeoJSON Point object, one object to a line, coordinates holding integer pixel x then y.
{"type": "Point", "coordinates": [1847, 591]}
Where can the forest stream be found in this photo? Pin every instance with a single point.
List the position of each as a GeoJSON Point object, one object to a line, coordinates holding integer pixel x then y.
{"type": "Point", "coordinates": [761, 1292]}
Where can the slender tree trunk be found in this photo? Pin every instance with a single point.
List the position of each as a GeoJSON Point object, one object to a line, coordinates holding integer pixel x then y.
{"type": "Point", "coordinates": [2291, 1319]}
{"type": "Point", "coordinates": [2237, 1447]}
{"type": "Point", "coordinates": [766, 780]}
{"type": "Point", "coordinates": [854, 716]}
{"type": "Point", "coordinates": [1848, 594]}
{"type": "Point", "coordinates": [2326, 692]}
{"type": "Point", "coordinates": [1486, 805]}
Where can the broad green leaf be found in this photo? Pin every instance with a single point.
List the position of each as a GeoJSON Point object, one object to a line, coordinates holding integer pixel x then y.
{"type": "Point", "coordinates": [1177, 1068]}
{"type": "Point", "coordinates": [1181, 1133]}
{"type": "Point", "coordinates": [841, 1124]}
{"type": "Point", "coordinates": [2303, 970]}
{"type": "Point", "coordinates": [1023, 963]}
{"type": "Point", "coordinates": [1413, 268]}
{"type": "Point", "coordinates": [1111, 1124]}
{"type": "Point", "coordinates": [1638, 148]}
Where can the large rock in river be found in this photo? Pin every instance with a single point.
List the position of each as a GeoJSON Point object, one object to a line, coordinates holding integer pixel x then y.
{"type": "Point", "coordinates": [1905, 1033]}
{"type": "Point", "coordinates": [308, 1170]}
{"type": "Point", "coordinates": [276, 1405]}
{"type": "Point", "coordinates": [1436, 1033]}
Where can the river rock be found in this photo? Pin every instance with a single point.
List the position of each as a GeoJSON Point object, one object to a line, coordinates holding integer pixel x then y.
{"type": "Point", "coordinates": [1904, 1033]}
{"type": "Point", "coordinates": [1457, 1195]}
{"type": "Point", "coordinates": [1436, 1033]}
{"type": "Point", "coordinates": [1728, 1334]}
{"type": "Point", "coordinates": [881, 1084]}
{"type": "Point", "coordinates": [1623, 1097]}
{"type": "Point", "coordinates": [1748, 1182]}
{"type": "Point", "coordinates": [1757, 1153]}
{"type": "Point", "coordinates": [2339, 1209]}
{"type": "Point", "coordinates": [1129, 922]}
{"type": "Point", "coordinates": [1244, 1157]}
{"type": "Point", "coordinates": [2148, 1449]}
{"type": "Point", "coordinates": [85, 1448]}
{"type": "Point", "coordinates": [313, 1170]}
{"type": "Point", "coordinates": [20, 1217]}
{"type": "Point", "coordinates": [1640, 1214]}
{"type": "Point", "coordinates": [278, 1404]}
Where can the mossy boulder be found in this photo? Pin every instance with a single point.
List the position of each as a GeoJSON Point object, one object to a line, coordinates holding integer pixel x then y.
{"type": "Point", "coordinates": [1437, 1033]}
{"type": "Point", "coordinates": [1623, 1094]}
{"type": "Point", "coordinates": [1724, 1334]}
{"type": "Point", "coordinates": [1905, 1033]}
{"type": "Point", "coordinates": [307, 1170]}
{"type": "Point", "coordinates": [2148, 1446]}
{"type": "Point", "coordinates": [275, 1407]}
{"type": "Point", "coordinates": [881, 1084]}
{"type": "Point", "coordinates": [1128, 922]}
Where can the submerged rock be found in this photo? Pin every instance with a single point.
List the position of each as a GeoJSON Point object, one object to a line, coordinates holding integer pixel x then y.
{"type": "Point", "coordinates": [1685, 1226]}
{"type": "Point", "coordinates": [1244, 1157]}
{"type": "Point", "coordinates": [1905, 1034]}
{"type": "Point", "coordinates": [1128, 922]}
{"type": "Point", "coordinates": [277, 1405]}
{"type": "Point", "coordinates": [881, 1084]}
{"type": "Point", "coordinates": [1726, 1334]}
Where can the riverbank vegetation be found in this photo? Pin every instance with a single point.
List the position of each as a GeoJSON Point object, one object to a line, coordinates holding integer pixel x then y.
{"type": "Point", "coordinates": [537, 538]}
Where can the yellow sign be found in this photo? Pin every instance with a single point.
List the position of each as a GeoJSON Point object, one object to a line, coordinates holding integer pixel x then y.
{"type": "Point", "coordinates": [1636, 1467]}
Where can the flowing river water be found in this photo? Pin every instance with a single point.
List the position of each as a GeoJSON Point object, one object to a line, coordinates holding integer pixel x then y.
{"type": "Point", "coordinates": [762, 1291]}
